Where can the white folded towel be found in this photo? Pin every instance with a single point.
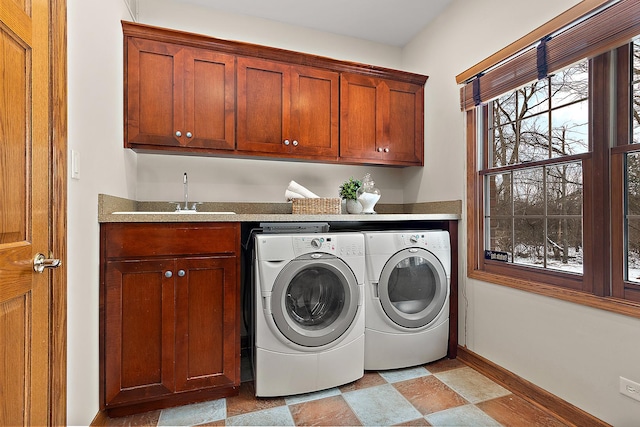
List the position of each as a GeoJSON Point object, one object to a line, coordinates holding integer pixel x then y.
{"type": "Point", "coordinates": [294, 187]}
{"type": "Point", "coordinates": [290, 195]}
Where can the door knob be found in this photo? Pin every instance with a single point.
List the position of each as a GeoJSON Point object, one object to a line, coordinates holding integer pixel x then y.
{"type": "Point", "coordinates": [40, 263]}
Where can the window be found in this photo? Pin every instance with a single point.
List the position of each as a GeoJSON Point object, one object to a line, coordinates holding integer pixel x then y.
{"type": "Point", "coordinates": [533, 214]}
{"type": "Point", "coordinates": [629, 150]}
{"type": "Point", "coordinates": [632, 214]}
{"type": "Point", "coordinates": [553, 186]}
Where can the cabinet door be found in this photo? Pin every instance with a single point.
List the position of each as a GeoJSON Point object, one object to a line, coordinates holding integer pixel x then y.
{"type": "Point", "coordinates": [154, 92]}
{"type": "Point", "coordinates": [207, 329]}
{"type": "Point", "coordinates": [209, 103]}
{"type": "Point", "coordinates": [381, 121]}
{"type": "Point", "coordinates": [263, 106]}
{"type": "Point", "coordinates": [314, 112]}
{"type": "Point", "coordinates": [139, 334]}
{"type": "Point", "coordinates": [361, 118]}
{"type": "Point", "coordinates": [405, 138]}
{"type": "Point", "coordinates": [178, 96]}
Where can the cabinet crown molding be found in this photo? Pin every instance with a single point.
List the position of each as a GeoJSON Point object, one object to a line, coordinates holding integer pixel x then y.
{"type": "Point", "coordinates": [131, 29]}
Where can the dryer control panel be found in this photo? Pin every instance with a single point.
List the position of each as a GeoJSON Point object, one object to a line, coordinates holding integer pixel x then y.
{"type": "Point", "coordinates": [429, 240]}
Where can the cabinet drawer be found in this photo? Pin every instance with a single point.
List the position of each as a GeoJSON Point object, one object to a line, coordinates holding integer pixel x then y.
{"type": "Point", "coordinates": [159, 239]}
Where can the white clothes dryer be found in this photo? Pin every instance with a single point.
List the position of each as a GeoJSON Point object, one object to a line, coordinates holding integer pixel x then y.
{"type": "Point", "coordinates": [309, 314]}
{"type": "Point", "coordinates": [407, 283]}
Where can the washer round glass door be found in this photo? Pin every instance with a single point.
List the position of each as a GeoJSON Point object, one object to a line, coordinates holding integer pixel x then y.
{"type": "Point", "coordinates": [314, 299]}
{"type": "Point", "coordinates": [413, 287]}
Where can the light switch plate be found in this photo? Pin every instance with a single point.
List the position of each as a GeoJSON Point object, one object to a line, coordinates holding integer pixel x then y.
{"type": "Point", "coordinates": [75, 164]}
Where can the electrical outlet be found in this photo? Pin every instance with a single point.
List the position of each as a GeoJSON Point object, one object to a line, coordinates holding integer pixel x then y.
{"type": "Point", "coordinates": [630, 388]}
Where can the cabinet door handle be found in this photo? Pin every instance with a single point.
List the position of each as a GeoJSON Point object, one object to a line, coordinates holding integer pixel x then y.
{"type": "Point", "coordinates": [295, 143]}
{"type": "Point", "coordinates": [386, 150]}
{"type": "Point", "coordinates": [181, 273]}
{"type": "Point", "coordinates": [168, 274]}
{"type": "Point", "coordinates": [379, 149]}
{"type": "Point", "coordinates": [178, 134]}
{"type": "Point", "coordinates": [286, 142]}
{"type": "Point", "coordinates": [189, 134]}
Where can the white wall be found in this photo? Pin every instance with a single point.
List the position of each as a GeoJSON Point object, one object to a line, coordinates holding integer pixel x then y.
{"type": "Point", "coordinates": [95, 131]}
{"type": "Point", "coordinates": [243, 180]}
{"type": "Point", "coordinates": [224, 179]}
{"type": "Point", "coordinates": [575, 352]}
{"type": "Point", "coordinates": [192, 18]}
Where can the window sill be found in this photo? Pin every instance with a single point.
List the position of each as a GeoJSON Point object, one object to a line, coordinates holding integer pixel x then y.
{"type": "Point", "coordinates": [615, 305]}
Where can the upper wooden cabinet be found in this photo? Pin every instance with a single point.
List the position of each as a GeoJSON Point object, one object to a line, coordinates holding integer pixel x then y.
{"type": "Point", "coordinates": [178, 96]}
{"type": "Point", "coordinates": [189, 93]}
{"type": "Point", "coordinates": [287, 110]}
{"type": "Point", "coordinates": [381, 121]}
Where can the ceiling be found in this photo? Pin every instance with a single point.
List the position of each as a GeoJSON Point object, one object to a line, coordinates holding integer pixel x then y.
{"type": "Point", "coordinates": [391, 22]}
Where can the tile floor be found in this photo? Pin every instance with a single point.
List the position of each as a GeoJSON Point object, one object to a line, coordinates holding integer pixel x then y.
{"type": "Point", "coordinates": [442, 393]}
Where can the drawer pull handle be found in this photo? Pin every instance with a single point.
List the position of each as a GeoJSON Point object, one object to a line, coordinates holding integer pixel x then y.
{"type": "Point", "coordinates": [181, 273]}
{"type": "Point", "coordinates": [168, 274]}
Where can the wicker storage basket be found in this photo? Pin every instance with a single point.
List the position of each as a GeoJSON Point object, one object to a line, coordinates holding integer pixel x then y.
{"type": "Point", "coordinates": [321, 205]}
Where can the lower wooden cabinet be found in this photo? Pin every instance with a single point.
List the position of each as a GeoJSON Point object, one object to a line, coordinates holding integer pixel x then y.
{"type": "Point", "coordinates": [169, 314]}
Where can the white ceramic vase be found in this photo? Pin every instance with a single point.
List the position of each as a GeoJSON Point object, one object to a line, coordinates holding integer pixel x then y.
{"type": "Point", "coordinates": [353, 206]}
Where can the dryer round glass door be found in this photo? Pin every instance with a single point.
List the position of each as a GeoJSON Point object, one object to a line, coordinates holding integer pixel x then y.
{"type": "Point", "coordinates": [413, 287]}
{"type": "Point", "coordinates": [314, 300]}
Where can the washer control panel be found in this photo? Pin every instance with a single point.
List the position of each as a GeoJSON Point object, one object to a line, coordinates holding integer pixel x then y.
{"type": "Point", "coordinates": [339, 245]}
{"type": "Point", "coordinates": [306, 244]}
{"type": "Point", "coordinates": [352, 247]}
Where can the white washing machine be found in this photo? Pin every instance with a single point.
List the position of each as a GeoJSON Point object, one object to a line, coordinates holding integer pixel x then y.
{"type": "Point", "coordinates": [406, 298]}
{"type": "Point", "coordinates": [309, 314]}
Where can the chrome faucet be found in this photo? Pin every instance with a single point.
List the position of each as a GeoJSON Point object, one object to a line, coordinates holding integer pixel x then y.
{"type": "Point", "coordinates": [186, 208]}
{"type": "Point", "coordinates": [186, 191]}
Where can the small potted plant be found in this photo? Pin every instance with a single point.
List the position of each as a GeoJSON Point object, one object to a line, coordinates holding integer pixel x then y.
{"type": "Point", "coordinates": [348, 192]}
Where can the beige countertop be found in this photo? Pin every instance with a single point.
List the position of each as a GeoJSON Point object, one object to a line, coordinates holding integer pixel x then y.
{"type": "Point", "coordinates": [116, 209]}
